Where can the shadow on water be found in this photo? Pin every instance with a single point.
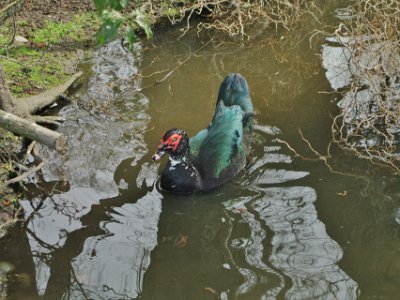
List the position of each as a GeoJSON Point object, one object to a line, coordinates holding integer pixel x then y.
{"type": "Point", "coordinates": [99, 228]}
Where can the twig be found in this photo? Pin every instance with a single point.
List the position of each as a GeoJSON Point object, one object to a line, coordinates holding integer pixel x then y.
{"type": "Point", "coordinates": [26, 174]}
{"type": "Point", "coordinates": [15, 61]}
{"type": "Point", "coordinates": [152, 74]}
{"type": "Point", "coordinates": [52, 120]}
{"type": "Point", "coordinates": [29, 150]}
{"type": "Point", "coordinates": [78, 283]}
{"type": "Point", "coordinates": [21, 166]}
{"type": "Point", "coordinates": [321, 157]}
{"type": "Point", "coordinates": [14, 29]}
{"type": "Point", "coordinates": [180, 64]}
{"type": "Point", "coordinates": [294, 150]}
{"type": "Point", "coordinates": [5, 226]}
{"type": "Point", "coordinates": [65, 98]}
{"type": "Point", "coordinates": [173, 70]}
{"type": "Point", "coordinates": [309, 145]}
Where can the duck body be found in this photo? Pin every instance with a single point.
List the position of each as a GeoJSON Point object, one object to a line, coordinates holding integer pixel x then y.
{"type": "Point", "coordinates": [217, 153]}
{"type": "Point", "coordinates": [181, 177]}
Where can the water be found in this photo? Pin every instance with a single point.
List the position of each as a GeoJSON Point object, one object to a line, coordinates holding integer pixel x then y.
{"type": "Point", "coordinates": [286, 228]}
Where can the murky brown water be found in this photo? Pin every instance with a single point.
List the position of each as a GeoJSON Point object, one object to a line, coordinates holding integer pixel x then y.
{"type": "Point", "coordinates": [285, 228]}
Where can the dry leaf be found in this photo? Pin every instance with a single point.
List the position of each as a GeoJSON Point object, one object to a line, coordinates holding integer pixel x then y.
{"type": "Point", "coordinates": [241, 210]}
{"type": "Point", "coordinates": [180, 242]}
{"type": "Point", "coordinates": [210, 290]}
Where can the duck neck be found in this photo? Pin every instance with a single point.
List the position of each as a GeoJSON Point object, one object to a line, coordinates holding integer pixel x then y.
{"type": "Point", "coordinates": [182, 158]}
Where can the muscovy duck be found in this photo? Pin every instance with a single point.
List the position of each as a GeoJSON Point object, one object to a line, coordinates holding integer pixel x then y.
{"type": "Point", "coordinates": [215, 154]}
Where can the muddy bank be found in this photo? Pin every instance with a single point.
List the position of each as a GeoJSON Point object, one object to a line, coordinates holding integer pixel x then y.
{"type": "Point", "coordinates": [32, 66]}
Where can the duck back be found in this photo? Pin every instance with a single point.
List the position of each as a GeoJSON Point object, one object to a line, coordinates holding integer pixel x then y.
{"type": "Point", "coordinates": [222, 154]}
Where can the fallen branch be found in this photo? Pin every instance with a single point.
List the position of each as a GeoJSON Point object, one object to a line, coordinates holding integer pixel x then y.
{"type": "Point", "coordinates": [26, 174]}
{"type": "Point", "coordinates": [180, 64]}
{"type": "Point", "coordinates": [35, 103]}
{"type": "Point", "coordinates": [28, 151]}
{"type": "Point", "coordinates": [52, 120]}
{"type": "Point", "coordinates": [43, 135]}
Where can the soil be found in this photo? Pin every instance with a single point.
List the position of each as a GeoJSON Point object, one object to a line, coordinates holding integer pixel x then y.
{"type": "Point", "coordinates": [38, 11]}
{"type": "Point", "coordinates": [35, 12]}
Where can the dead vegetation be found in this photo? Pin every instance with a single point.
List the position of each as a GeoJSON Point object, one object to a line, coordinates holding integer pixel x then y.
{"type": "Point", "coordinates": [369, 123]}
{"type": "Point", "coordinates": [233, 17]}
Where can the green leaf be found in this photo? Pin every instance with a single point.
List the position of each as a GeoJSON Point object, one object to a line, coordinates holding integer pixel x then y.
{"type": "Point", "coordinates": [108, 30]}
{"type": "Point", "coordinates": [109, 4]}
{"type": "Point", "coordinates": [130, 35]}
{"type": "Point", "coordinates": [145, 25]}
{"type": "Point", "coordinates": [100, 5]}
{"type": "Point", "coordinates": [112, 15]}
{"type": "Point", "coordinates": [123, 3]}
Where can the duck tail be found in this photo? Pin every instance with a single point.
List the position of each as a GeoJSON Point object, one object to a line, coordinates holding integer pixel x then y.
{"type": "Point", "coordinates": [234, 90]}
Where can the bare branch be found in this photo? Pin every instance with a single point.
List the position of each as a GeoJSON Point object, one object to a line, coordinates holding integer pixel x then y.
{"type": "Point", "coordinates": [26, 174]}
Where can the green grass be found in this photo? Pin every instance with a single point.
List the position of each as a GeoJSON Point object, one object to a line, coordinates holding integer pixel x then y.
{"type": "Point", "coordinates": [34, 72]}
{"type": "Point", "coordinates": [9, 143]}
{"type": "Point", "coordinates": [79, 29]}
{"type": "Point", "coordinates": [37, 66]}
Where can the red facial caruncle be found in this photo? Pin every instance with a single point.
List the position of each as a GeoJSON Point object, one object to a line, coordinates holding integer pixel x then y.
{"type": "Point", "coordinates": [172, 141]}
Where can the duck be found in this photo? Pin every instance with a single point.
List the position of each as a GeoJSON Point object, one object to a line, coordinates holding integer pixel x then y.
{"type": "Point", "coordinates": [217, 153]}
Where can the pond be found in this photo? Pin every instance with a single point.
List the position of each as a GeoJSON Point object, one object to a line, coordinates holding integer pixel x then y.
{"type": "Point", "coordinates": [287, 227]}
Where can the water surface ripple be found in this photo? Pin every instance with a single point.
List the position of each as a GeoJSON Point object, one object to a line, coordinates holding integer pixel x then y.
{"type": "Point", "coordinates": [105, 127]}
{"type": "Point", "coordinates": [98, 227]}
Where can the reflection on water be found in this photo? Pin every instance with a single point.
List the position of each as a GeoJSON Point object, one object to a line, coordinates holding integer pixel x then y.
{"type": "Point", "coordinates": [94, 240]}
{"type": "Point", "coordinates": [277, 231]}
{"type": "Point", "coordinates": [104, 128]}
{"type": "Point", "coordinates": [112, 265]}
{"type": "Point", "coordinates": [301, 250]}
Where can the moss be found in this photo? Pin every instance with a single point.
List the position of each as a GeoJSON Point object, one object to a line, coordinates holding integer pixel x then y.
{"type": "Point", "coordinates": [80, 28]}
{"type": "Point", "coordinates": [9, 143]}
{"type": "Point", "coordinates": [35, 70]}
{"type": "Point", "coordinates": [40, 64]}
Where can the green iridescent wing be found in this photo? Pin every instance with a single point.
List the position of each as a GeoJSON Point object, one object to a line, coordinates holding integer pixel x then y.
{"type": "Point", "coordinates": [195, 143]}
{"type": "Point", "coordinates": [223, 141]}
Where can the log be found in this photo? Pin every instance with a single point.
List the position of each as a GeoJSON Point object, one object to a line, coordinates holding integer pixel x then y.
{"type": "Point", "coordinates": [25, 128]}
{"type": "Point", "coordinates": [33, 104]}
{"type": "Point", "coordinates": [7, 102]}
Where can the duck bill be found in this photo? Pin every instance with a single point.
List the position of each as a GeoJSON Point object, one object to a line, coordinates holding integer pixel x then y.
{"type": "Point", "coordinates": [158, 155]}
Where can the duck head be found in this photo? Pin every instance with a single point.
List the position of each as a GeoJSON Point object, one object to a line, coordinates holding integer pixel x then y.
{"type": "Point", "coordinates": [175, 142]}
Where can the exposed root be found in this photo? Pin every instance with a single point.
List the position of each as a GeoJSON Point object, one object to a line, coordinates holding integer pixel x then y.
{"type": "Point", "coordinates": [51, 120]}
{"type": "Point", "coordinates": [369, 125]}
{"type": "Point", "coordinates": [319, 157]}
{"type": "Point", "coordinates": [26, 174]}
{"type": "Point", "coordinates": [172, 71]}
{"type": "Point", "coordinates": [234, 17]}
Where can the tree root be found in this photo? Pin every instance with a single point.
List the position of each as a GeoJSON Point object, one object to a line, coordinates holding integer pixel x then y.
{"type": "Point", "coordinates": [15, 109]}
{"type": "Point", "coordinates": [28, 129]}
{"type": "Point", "coordinates": [33, 104]}
{"type": "Point", "coordinates": [26, 174]}
{"type": "Point", "coordinates": [51, 120]}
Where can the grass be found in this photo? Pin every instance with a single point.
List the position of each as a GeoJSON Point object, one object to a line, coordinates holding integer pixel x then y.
{"type": "Point", "coordinates": [32, 70]}
{"type": "Point", "coordinates": [8, 145]}
{"type": "Point", "coordinates": [45, 61]}
{"type": "Point", "coordinates": [80, 29]}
